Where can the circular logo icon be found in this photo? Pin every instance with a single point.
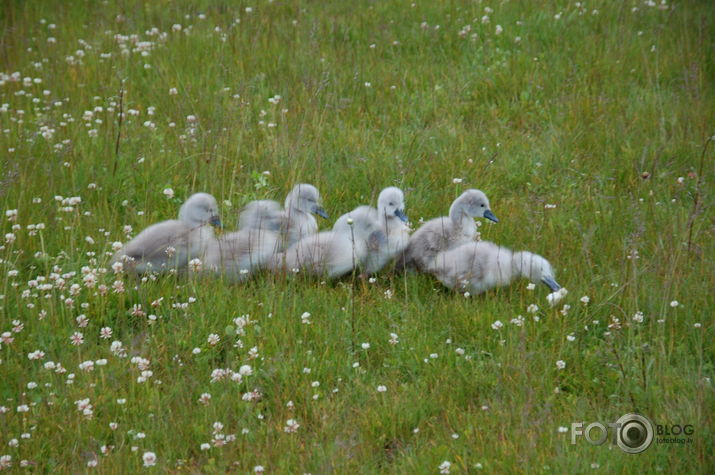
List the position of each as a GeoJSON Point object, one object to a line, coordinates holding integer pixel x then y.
{"type": "Point", "coordinates": [635, 433]}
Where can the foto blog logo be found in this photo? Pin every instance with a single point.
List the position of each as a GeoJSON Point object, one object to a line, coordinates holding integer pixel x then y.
{"type": "Point", "coordinates": [633, 433]}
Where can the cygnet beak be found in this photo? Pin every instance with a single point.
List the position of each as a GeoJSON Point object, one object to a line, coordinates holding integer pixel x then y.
{"type": "Point", "coordinates": [320, 211]}
{"type": "Point", "coordinates": [551, 283]}
{"type": "Point", "coordinates": [216, 222]}
{"type": "Point", "coordinates": [490, 216]}
{"type": "Point", "coordinates": [401, 214]}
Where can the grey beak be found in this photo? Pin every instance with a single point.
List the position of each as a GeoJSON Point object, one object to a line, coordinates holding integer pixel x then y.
{"type": "Point", "coordinates": [490, 216]}
{"type": "Point", "coordinates": [401, 214]}
{"type": "Point", "coordinates": [320, 212]}
{"type": "Point", "coordinates": [551, 283]}
{"type": "Point", "coordinates": [216, 221]}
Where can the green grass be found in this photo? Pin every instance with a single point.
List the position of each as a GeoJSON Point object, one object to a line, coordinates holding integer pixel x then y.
{"type": "Point", "coordinates": [573, 114]}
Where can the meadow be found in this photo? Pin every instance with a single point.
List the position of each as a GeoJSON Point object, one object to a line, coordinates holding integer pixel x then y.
{"type": "Point", "coordinates": [588, 124]}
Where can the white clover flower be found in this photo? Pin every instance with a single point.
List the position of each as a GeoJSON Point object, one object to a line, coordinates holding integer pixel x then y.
{"type": "Point", "coordinates": [560, 364]}
{"type": "Point", "coordinates": [195, 264]}
{"type": "Point", "coordinates": [674, 303]}
{"type": "Point", "coordinates": [497, 325]}
{"type": "Point", "coordinates": [444, 467]}
{"type": "Point", "coordinates": [149, 459]}
{"type": "Point", "coordinates": [168, 192]}
{"type": "Point", "coordinates": [555, 297]}
{"type": "Point", "coordinates": [585, 299]}
{"type": "Point", "coordinates": [291, 426]}
{"type": "Point", "coordinates": [381, 388]}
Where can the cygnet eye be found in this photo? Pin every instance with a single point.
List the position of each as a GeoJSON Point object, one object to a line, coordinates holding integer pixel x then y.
{"type": "Point", "coordinates": [482, 205]}
{"type": "Point", "coordinates": [392, 204]}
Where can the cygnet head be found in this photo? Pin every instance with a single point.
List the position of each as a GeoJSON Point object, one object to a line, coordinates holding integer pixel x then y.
{"type": "Point", "coordinates": [200, 209]}
{"type": "Point", "coordinates": [535, 268]}
{"type": "Point", "coordinates": [305, 198]}
{"type": "Point", "coordinates": [391, 202]}
{"type": "Point", "coordinates": [473, 203]}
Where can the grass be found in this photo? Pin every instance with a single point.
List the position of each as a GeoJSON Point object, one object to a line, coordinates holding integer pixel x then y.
{"type": "Point", "coordinates": [598, 109]}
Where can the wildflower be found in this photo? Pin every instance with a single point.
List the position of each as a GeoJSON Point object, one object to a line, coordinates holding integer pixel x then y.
{"type": "Point", "coordinates": [87, 365]}
{"type": "Point", "coordinates": [560, 364]}
{"type": "Point", "coordinates": [533, 308]}
{"type": "Point", "coordinates": [381, 388]}
{"type": "Point", "coordinates": [205, 398]}
{"type": "Point", "coordinates": [117, 349]}
{"type": "Point", "coordinates": [638, 317]}
{"type": "Point", "coordinates": [105, 333]}
{"type": "Point", "coordinates": [674, 303]}
{"type": "Point", "coordinates": [149, 459]}
{"type": "Point", "coordinates": [497, 325]}
{"type": "Point", "coordinates": [35, 355]}
{"type": "Point", "coordinates": [585, 299]}
{"type": "Point", "coordinates": [5, 462]}
{"type": "Point", "coordinates": [365, 346]}
{"type": "Point", "coordinates": [77, 338]}
{"type": "Point", "coordinates": [291, 426]}
{"type": "Point", "coordinates": [394, 339]}
{"type": "Point", "coordinates": [444, 467]}
{"type": "Point", "coordinates": [305, 318]}
{"type": "Point", "coordinates": [195, 264]}
{"type": "Point", "coordinates": [213, 339]}
{"type": "Point", "coordinates": [498, 30]}
{"type": "Point", "coordinates": [556, 297]}
{"type": "Point", "coordinates": [459, 351]}
{"type": "Point", "coordinates": [169, 193]}
{"type": "Point", "coordinates": [563, 429]}
{"type": "Point", "coordinates": [531, 286]}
